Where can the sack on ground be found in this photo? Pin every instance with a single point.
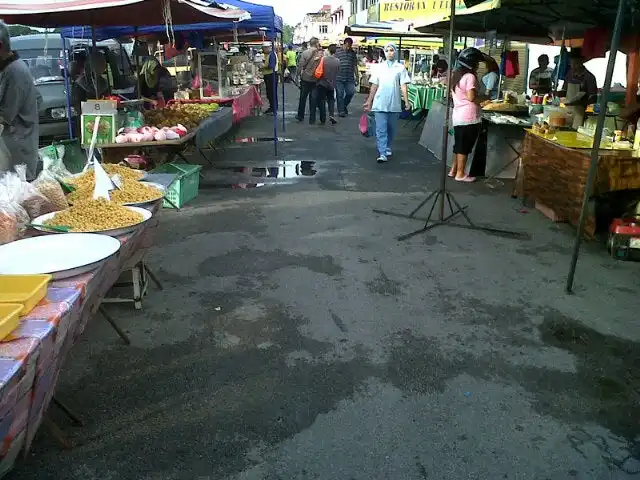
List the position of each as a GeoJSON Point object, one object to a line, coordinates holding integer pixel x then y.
{"type": "Point", "coordinates": [367, 125]}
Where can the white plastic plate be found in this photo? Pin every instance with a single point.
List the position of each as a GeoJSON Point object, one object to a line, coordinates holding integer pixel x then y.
{"type": "Point", "coordinates": [62, 256]}
{"type": "Point", "coordinates": [146, 215]}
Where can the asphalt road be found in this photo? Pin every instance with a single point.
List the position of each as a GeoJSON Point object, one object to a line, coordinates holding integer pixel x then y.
{"type": "Point", "coordinates": [297, 339]}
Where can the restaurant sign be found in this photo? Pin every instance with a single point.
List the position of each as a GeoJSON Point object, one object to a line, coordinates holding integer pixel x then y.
{"type": "Point", "coordinates": [409, 10]}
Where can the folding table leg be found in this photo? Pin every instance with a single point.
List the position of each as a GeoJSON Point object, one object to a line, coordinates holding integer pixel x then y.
{"type": "Point", "coordinates": [67, 411]}
{"type": "Point", "coordinates": [57, 432]}
{"type": "Point", "coordinates": [137, 286]}
{"type": "Point", "coordinates": [115, 326]}
{"type": "Point", "coordinates": [153, 277]}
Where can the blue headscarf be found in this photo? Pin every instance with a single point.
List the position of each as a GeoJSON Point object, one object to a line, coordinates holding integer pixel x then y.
{"type": "Point", "coordinates": [395, 49]}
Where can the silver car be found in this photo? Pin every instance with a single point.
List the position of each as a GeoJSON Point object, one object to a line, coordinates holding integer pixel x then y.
{"type": "Point", "coordinates": [43, 54]}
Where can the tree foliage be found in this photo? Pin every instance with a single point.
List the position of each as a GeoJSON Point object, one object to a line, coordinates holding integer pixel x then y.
{"type": "Point", "coordinates": [287, 34]}
{"type": "Point", "coordinates": [18, 30]}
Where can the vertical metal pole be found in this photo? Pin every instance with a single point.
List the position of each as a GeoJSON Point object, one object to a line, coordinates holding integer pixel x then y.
{"type": "Point", "coordinates": [67, 85]}
{"type": "Point", "coordinates": [284, 127]}
{"type": "Point", "coordinates": [275, 97]}
{"type": "Point", "coordinates": [595, 150]}
{"type": "Point", "coordinates": [554, 87]}
{"type": "Point", "coordinates": [445, 127]}
{"type": "Point", "coordinates": [94, 38]}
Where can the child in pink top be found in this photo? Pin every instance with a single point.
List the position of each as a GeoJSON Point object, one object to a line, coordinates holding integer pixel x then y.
{"type": "Point", "coordinates": [466, 116]}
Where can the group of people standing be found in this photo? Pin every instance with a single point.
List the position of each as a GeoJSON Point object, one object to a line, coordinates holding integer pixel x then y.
{"type": "Point", "coordinates": [326, 78]}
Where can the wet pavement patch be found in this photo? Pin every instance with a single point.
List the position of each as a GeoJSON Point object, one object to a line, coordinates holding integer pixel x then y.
{"type": "Point", "coordinates": [608, 376]}
{"type": "Point", "coordinates": [244, 261]}
{"type": "Point", "coordinates": [260, 174]}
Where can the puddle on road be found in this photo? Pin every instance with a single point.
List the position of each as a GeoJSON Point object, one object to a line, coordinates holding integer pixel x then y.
{"type": "Point", "coordinates": [282, 172]}
{"type": "Point", "coordinates": [608, 377]}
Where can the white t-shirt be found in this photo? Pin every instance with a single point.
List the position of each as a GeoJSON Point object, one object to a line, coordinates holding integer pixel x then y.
{"type": "Point", "coordinates": [388, 77]}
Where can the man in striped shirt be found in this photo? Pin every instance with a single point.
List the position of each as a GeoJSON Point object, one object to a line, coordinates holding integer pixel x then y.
{"type": "Point", "coordinates": [347, 76]}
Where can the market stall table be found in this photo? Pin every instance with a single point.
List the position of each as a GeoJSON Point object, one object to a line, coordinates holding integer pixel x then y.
{"type": "Point", "coordinates": [243, 104]}
{"type": "Point", "coordinates": [496, 154]}
{"type": "Point", "coordinates": [555, 174]}
{"type": "Point", "coordinates": [202, 137]}
{"type": "Point", "coordinates": [32, 356]}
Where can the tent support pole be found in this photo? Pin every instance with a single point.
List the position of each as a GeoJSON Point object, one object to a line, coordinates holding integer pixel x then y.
{"type": "Point", "coordinates": [275, 97]}
{"type": "Point", "coordinates": [595, 151]}
{"type": "Point", "coordinates": [284, 127]}
{"type": "Point", "coordinates": [67, 85]}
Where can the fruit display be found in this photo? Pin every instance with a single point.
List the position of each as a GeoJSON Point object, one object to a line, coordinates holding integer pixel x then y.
{"type": "Point", "coordinates": [150, 134]}
{"type": "Point", "coordinates": [188, 114]}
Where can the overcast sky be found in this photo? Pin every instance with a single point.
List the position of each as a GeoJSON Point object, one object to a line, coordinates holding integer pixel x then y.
{"type": "Point", "coordinates": [292, 11]}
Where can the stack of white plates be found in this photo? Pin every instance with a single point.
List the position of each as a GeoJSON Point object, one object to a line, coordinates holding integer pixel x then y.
{"type": "Point", "coordinates": [62, 256]}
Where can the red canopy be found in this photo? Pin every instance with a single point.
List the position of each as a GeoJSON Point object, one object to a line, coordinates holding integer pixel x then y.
{"type": "Point", "coordinates": [104, 13]}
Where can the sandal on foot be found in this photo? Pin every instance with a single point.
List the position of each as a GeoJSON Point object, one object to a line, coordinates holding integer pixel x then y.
{"type": "Point", "coordinates": [466, 179]}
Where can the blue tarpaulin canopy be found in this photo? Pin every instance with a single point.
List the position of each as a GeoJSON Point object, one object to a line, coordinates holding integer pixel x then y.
{"type": "Point", "coordinates": [262, 18]}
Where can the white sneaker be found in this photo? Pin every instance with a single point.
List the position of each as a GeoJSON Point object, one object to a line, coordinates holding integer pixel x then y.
{"type": "Point", "coordinates": [382, 159]}
{"type": "Point", "coordinates": [389, 152]}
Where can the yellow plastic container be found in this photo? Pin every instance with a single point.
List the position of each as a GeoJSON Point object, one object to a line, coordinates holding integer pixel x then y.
{"type": "Point", "coordinates": [9, 318]}
{"type": "Point", "coordinates": [26, 290]}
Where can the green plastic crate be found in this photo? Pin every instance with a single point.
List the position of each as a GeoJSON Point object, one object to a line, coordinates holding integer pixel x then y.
{"type": "Point", "coordinates": [185, 187]}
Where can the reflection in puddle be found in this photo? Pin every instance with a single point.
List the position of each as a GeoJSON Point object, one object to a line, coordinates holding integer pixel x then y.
{"type": "Point", "coordinates": [282, 169]}
{"type": "Point", "coordinates": [278, 173]}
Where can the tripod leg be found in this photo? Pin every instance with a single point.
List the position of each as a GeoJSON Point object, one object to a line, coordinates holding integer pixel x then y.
{"type": "Point", "coordinates": [433, 207]}
{"type": "Point", "coordinates": [423, 203]}
{"type": "Point", "coordinates": [462, 210]}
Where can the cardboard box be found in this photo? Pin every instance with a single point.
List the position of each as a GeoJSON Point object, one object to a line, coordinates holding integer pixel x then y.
{"type": "Point", "coordinates": [99, 107]}
{"type": "Point", "coordinates": [107, 129]}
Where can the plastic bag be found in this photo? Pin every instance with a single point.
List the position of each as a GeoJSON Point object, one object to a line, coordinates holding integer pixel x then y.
{"type": "Point", "coordinates": [52, 161]}
{"type": "Point", "coordinates": [26, 195]}
{"type": "Point", "coordinates": [13, 218]}
{"type": "Point", "coordinates": [8, 226]}
{"type": "Point", "coordinates": [367, 125]}
{"type": "Point", "coordinates": [48, 186]}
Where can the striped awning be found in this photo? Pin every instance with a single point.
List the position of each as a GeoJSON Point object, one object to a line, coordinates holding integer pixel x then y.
{"type": "Point", "coordinates": [61, 13]}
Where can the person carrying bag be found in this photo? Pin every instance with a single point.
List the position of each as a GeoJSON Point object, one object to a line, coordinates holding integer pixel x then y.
{"type": "Point", "coordinates": [309, 62]}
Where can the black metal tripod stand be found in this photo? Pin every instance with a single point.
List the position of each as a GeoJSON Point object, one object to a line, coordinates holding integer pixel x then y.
{"type": "Point", "coordinates": [438, 198]}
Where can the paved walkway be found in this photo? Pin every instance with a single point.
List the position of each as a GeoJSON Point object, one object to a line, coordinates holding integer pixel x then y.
{"type": "Point", "coordinates": [297, 339]}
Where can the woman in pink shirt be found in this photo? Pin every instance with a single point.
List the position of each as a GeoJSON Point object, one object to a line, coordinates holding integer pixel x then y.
{"type": "Point", "coordinates": [466, 117]}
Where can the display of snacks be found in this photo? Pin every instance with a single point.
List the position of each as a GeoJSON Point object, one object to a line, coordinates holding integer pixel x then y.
{"type": "Point", "coordinates": [130, 192]}
{"type": "Point", "coordinates": [503, 107]}
{"type": "Point", "coordinates": [543, 129]}
{"type": "Point", "coordinates": [124, 172]}
{"type": "Point", "coordinates": [87, 178]}
{"type": "Point", "coordinates": [95, 216]}
{"type": "Point", "coordinates": [188, 114]}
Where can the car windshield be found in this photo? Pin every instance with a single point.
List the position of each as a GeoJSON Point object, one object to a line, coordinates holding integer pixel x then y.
{"type": "Point", "coordinates": [44, 66]}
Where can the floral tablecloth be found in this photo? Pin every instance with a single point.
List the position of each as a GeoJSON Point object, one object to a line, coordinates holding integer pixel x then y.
{"type": "Point", "coordinates": [31, 356]}
{"type": "Point", "coordinates": [243, 104]}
